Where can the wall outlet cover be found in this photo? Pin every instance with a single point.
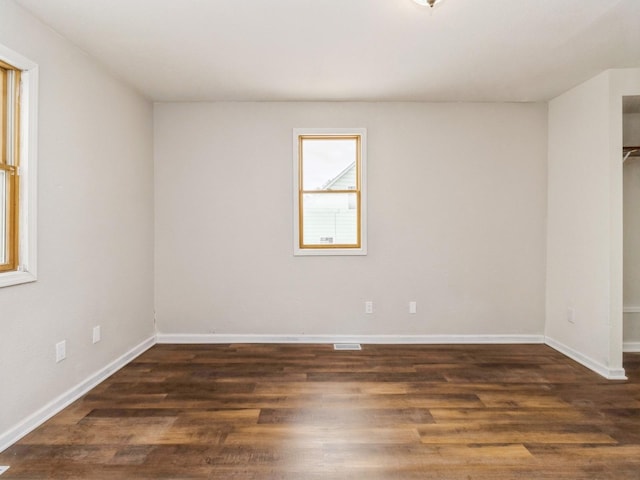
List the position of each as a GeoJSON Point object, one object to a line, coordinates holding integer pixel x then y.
{"type": "Point", "coordinates": [413, 307]}
{"type": "Point", "coordinates": [96, 334]}
{"type": "Point", "coordinates": [368, 307]}
{"type": "Point", "coordinates": [61, 350]}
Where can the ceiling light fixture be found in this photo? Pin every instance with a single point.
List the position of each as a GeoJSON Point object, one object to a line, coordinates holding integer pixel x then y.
{"type": "Point", "coordinates": [428, 3]}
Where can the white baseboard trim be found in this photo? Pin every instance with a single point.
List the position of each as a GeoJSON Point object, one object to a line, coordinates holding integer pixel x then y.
{"type": "Point", "coordinates": [631, 347]}
{"type": "Point", "coordinates": [606, 372]}
{"type": "Point", "coordinates": [365, 339]}
{"type": "Point", "coordinates": [33, 421]}
{"type": "Point", "coordinates": [30, 423]}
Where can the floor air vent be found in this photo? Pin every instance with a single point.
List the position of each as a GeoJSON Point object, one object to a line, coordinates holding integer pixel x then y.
{"type": "Point", "coordinates": [347, 346]}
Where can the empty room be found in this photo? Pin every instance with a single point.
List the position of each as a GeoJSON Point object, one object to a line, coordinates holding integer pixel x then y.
{"type": "Point", "coordinates": [320, 239]}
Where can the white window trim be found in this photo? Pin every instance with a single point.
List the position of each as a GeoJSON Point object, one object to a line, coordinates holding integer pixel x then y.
{"type": "Point", "coordinates": [28, 200]}
{"type": "Point", "coordinates": [297, 251]}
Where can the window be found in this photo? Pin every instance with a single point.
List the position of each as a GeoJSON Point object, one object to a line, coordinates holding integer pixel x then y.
{"type": "Point", "coordinates": [330, 193]}
{"type": "Point", "coordinates": [18, 90]}
{"type": "Point", "coordinates": [9, 163]}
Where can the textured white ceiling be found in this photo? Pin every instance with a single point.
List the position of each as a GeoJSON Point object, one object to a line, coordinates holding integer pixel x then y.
{"type": "Point", "coordinates": [361, 50]}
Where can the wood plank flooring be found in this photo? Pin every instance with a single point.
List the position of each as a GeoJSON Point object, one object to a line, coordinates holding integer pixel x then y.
{"type": "Point", "coordinates": [249, 412]}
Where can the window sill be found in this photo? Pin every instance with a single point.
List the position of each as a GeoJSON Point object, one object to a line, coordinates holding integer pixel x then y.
{"type": "Point", "coordinates": [311, 252]}
{"type": "Point", "coordinates": [16, 278]}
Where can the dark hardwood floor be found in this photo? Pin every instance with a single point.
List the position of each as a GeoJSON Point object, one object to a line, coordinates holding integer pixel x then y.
{"type": "Point", "coordinates": [307, 412]}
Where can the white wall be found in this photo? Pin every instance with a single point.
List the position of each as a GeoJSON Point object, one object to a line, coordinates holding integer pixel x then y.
{"type": "Point", "coordinates": [584, 230]}
{"type": "Point", "coordinates": [631, 129]}
{"type": "Point", "coordinates": [457, 206]}
{"type": "Point", "coordinates": [578, 231]}
{"type": "Point", "coordinates": [95, 226]}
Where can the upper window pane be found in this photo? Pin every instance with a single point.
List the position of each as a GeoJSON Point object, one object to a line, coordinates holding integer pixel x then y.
{"type": "Point", "coordinates": [329, 163]}
{"type": "Point", "coordinates": [3, 114]}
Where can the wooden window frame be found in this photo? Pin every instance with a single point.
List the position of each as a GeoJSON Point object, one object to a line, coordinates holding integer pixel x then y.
{"type": "Point", "coordinates": [18, 159]}
{"type": "Point", "coordinates": [10, 162]}
{"type": "Point", "coordinates": [360, 247]}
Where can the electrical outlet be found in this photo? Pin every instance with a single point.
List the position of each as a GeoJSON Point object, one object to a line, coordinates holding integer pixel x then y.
{"type": "Point", "coordinates": [368, 307]}
{"type": "Point", "coordinates": [571, 315]}
{"type": "Point", "coordinates": [413, 307]}
{"type": "Point", "coordinates": [96, 334]}
{"type": "Point", "coordinates": [61, 350]}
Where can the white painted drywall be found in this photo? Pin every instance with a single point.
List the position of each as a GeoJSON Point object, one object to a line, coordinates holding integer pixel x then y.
{"type": "Point", "coordinates": [95, 225]}
{"type": "Point", "coordinates": [631, 129]}
{"type": "Point", "coordinates": [457, 209]}
{"type": "Point", "coordinates": [584, 230]}
{"type": "Point", "coordinates": [578, 231]}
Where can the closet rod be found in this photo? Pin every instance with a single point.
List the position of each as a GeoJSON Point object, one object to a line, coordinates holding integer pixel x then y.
{"type": "Point", "coordinates": [630, 152]}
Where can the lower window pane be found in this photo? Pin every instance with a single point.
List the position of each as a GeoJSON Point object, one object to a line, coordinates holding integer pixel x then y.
{"type": "Point", "coordinates": [3, 216]}
{"type": "Point", "coordinates": [330, 219]}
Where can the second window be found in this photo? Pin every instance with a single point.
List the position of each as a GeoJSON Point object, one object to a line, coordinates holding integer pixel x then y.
{"type": "Point", "coordinates": [330, 200]}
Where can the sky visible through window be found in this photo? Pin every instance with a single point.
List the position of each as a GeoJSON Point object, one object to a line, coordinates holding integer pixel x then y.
{"type": "Point", "coordinates": [325, 159]}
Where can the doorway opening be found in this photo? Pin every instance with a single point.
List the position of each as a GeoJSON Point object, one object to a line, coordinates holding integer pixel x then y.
{"type": "Point", "coordinates": [631, 223]}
